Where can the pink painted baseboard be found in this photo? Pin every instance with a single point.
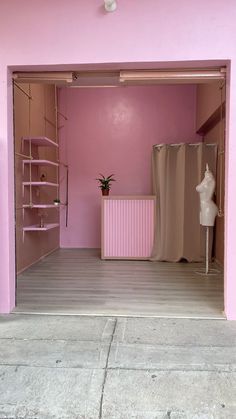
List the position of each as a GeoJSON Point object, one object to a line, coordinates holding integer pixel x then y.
{"type": "Point", "coordinates": [127, 227]}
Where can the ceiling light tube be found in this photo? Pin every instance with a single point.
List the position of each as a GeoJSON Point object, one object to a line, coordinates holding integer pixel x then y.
{"type": "Point", "coordinates": [57, 77]}
{"type": "Point", "coordinates": [175, 75]}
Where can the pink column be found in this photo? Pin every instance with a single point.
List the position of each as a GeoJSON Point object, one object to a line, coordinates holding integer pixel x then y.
{"type": "Point", "coordinates": [7, 233]}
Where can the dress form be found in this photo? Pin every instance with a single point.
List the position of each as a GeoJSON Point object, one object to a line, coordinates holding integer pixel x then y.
{"type": "Point", "coordinates": [208, 208]}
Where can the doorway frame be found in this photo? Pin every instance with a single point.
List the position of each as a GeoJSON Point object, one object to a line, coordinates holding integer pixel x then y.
{"type": "Point", "coordinates": [8, 270]}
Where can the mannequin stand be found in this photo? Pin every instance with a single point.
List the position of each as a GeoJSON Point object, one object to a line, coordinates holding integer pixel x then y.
{"type": "Point", "coordinates": [207, 251]}
{"type": "Point", "coordinates": [207, 271]}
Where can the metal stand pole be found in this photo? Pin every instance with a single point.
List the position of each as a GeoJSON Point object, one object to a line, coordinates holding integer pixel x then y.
{"type": "Point", "coordinates": [207, 271]}
{"type": "Point", "coordinates": [67, 194]}
{"type": "Point", "coordinates": [207, 250]}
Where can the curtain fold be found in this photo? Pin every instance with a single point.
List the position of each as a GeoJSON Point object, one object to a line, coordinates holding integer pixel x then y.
{"type": "Point", "coordinates": [176, 171]}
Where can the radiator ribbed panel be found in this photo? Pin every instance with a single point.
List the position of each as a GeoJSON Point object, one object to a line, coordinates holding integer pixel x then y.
{"type": "Point", "coordinates": [128, 228]}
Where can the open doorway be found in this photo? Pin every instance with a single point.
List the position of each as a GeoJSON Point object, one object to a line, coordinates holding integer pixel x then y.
{"type": "Point", "coordinates": [95, 125]}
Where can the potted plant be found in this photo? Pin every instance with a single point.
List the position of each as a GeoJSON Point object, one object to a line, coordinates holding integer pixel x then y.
{"type": "Point", "coordinates": [105, 183]}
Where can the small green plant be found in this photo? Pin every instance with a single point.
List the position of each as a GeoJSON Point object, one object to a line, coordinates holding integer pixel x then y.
{"type": "Point", "coordinates": [105, 182]}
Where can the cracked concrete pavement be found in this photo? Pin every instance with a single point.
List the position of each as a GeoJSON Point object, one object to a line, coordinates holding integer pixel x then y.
{"type": "Point", "coordinates": [75, 367]}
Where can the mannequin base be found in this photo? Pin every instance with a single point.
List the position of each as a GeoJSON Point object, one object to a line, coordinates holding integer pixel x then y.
{"type": "Point", "coordinates": [211, 272]}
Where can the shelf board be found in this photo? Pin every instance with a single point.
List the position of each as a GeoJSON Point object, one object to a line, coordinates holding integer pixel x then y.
{"type": "Point", "coordinates": [40, 184]}
{"type": "Point", "coordinates": [39, 206]}
{"type": "Point", "coordinates": [41, 162]}
{"type": "Point", "coordinates": [41, 141]}
{"type": "Point", "coordinates": [37, 228]}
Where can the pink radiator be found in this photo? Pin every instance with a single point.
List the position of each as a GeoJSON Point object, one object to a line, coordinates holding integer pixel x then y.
{"type": "Point", "coordinates": [127, 227]}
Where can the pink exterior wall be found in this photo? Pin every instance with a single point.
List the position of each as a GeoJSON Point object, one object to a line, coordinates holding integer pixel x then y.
{"type": "Point", "coordinates": [73, 33]}
{"type": "Point", "coordinates": [7, 216]}
{"type": "Point", "coordinates": [112, 130]}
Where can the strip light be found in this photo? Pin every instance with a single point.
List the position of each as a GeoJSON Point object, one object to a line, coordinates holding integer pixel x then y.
{"type": "Point", "coordinates": [173, 76]}
{"type": "Point", "coordinates": [57, 77]}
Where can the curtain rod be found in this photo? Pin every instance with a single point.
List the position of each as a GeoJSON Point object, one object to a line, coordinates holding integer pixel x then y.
{"type": "Point", "coordinates": [179, 144]}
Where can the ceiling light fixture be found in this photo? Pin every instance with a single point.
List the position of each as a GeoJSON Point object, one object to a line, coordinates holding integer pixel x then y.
{"type": "Point", "coordinates": [177, 76]}
{"type": "Point", "coordinates": [110, 5]}
{"type": "Point", "coordinates": [48, 77]}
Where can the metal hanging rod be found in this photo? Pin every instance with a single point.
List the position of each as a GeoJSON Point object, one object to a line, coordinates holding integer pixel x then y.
{"type": "Point", "coordinates": [62, 164]}
{"type": "Point", "coordinates": [25, 156]}
{"type": "Point", "coordinates": [222, 84]}
{"type": "Point", "coordinates": [50, 122]}
{"type": "Point", "coordinates": [67, 194]}
{"type": "Point", "coordinates": [23, 91]}
{"type": "Point", "coordinates": [61, 114]}
{"type": "Point", "coordinates": [179, 144]}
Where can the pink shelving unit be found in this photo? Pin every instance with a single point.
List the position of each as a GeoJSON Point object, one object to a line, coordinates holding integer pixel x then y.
{"type": "Point", "coordinates": [40, 141]}
{"type": "Point", "coordinates": [37, 228]}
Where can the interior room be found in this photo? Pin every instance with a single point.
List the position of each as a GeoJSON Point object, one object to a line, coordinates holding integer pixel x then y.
{"type": "Point", "coordinates": [140, 250]}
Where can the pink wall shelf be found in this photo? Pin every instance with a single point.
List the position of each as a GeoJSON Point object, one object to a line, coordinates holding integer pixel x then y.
{"type": "Point", "coordinates": [37, 228]}
{"type": "Point", "coordinates": [40, 141]}
{"type": "Point", "coordinates": [41, 162]}
{"type": "Point", "coordinates": [40, 184]}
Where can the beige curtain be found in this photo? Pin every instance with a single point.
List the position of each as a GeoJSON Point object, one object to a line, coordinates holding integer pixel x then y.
{"type": "Point", "coordinates": [177, 170]}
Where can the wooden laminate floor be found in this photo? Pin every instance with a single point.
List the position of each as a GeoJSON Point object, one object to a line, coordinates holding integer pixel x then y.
{"type": "Point", "coordinates": [77, 281]}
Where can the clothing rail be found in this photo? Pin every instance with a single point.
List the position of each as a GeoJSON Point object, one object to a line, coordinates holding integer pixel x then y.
{"type": "Point", "coordinates": [179, 144]}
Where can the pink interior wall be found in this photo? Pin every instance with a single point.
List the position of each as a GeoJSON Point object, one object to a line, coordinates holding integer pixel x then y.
{"type": "Point", "coordinates": [112, 130]}
{"type": "Point", "coordinates": [74, 33]}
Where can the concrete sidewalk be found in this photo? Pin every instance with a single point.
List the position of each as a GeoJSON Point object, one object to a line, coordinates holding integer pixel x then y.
{"type": "Point", "coordinates": [73, 367]}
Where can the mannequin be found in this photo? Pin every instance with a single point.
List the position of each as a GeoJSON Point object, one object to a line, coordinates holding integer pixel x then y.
{"type": "Point", "coordinates": [208, 208]}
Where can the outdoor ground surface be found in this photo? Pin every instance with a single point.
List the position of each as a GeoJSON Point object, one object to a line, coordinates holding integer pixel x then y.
{"type": "Point", "coordinates": [73, 367]}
